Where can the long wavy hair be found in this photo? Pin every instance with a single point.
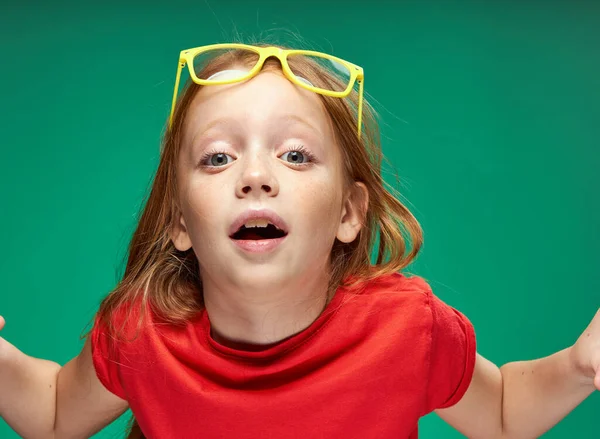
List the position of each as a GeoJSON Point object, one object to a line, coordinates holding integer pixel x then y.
{"type": "Point", "coordinates": [159, 275]}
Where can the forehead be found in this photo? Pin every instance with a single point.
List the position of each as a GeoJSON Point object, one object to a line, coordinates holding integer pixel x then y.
{"type": "Point", "coordinates": [266, 97]}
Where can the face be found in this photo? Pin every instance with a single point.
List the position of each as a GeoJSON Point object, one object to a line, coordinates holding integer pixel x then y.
{"type": "Point", "coordinates": [258, 152]}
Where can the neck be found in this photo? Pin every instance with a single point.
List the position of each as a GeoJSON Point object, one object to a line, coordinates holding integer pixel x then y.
{"type": "Point", "coordinates": [257, 317]}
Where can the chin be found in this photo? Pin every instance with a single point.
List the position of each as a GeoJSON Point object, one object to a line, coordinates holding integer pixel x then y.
{"type": "Point", "coordinates": [265, 276]}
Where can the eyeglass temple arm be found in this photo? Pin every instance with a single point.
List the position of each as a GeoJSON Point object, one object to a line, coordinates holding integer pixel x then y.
{"type": "Point", "coordinates": [360, 104]}
{"type": "Point", "coordinates": [180, 66]}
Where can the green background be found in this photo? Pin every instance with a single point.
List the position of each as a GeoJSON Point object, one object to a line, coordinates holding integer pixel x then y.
{"type": "Point", "coordinates": [490, 114]}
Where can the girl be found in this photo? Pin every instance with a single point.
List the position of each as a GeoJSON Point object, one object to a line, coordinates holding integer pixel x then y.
{"type": "Point", "coordinates": [249, 307]}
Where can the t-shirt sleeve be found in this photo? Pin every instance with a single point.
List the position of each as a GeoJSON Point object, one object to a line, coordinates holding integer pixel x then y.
{"type": "Point", "coordinates": [452, 356]}
{"type": "Point", "coordinates": [106, 358]}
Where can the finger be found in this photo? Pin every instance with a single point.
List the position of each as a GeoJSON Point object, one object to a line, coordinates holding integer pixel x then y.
{"type": "Point", "coordinates": [597, 380]}
{"type": "Point", "coordinates": [1, 323]}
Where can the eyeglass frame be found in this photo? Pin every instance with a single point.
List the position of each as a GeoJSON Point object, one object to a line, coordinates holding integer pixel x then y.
{"type": "Point", "coordinates": [187, 57]}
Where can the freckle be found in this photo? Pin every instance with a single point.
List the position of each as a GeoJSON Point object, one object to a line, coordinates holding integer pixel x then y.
{"type": "Point", "coordinates": [588, 334]}
{"type": "Point", "coordinates": [50, 385]}
{"type": "Point", "coordinates": [522, 373]}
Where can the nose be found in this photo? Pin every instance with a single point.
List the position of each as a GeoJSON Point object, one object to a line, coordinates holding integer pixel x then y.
{"type": "Point", "coordinates": [257, 179]}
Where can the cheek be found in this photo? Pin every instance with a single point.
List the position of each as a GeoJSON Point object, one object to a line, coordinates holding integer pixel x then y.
{"type": "Point", "coordinates": [200, 211]}
{"type": "Point", "coordinates": [321, 202]}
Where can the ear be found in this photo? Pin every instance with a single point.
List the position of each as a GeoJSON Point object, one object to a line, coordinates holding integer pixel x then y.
{"type": "Point", "coordinates": [354, 212]}
{"type": "Point", "coordinates": [179, 234]}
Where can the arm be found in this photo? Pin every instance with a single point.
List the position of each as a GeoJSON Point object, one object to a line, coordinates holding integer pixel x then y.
{"type": "Point", "coordinates": [84, 405]}
{"type": "Point", "coordinates": [525, 399]}
{"type": "Point", "coordinates": [520, 400]}
{"type": "Point", "coordinates": [39, 399]}
{"type": "Point", "coordinates": [27, 392]}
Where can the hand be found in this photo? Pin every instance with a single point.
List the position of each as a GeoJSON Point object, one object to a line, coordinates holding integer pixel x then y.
{"type": "Point", "coordinates": [585, 353]}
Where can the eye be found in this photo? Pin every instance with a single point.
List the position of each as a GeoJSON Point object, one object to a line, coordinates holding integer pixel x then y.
{"type": "Point", "coordinates": [293, 157]}
{"type": "Point", "coordinates": [216, 159]}
{"type": "Point", "coordinates": [298, 155]}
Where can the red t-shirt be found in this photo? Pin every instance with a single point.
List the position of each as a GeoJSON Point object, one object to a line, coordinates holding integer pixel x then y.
{"type": "Point", "coordinates": [378, 358]}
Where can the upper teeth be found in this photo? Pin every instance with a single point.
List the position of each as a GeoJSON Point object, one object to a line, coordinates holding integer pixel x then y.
{"type": "Point", "coordinates": [256, 223]}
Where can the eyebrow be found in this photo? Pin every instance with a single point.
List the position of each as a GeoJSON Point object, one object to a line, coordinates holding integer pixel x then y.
{"type": "Point", "coordinates": [286, 119]}
{"type": "Point", "coordinates": [212, 124]}
{"type": "Point", "coordinates": [289, 118]}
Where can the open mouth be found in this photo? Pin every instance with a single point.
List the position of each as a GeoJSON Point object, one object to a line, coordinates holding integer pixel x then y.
{"type": "Point", "coordinates": [256, 230]}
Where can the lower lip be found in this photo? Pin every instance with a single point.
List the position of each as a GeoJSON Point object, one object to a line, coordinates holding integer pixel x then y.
{"type": "Point", "coordinates": [258, 245]}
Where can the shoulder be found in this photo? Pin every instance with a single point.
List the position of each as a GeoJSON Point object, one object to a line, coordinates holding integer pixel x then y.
{"type": "Point", "coordinates": [393, 299]}
{"type": "Point", "coordinates": [402, 282]}
{"type": "Point", "coordinates": [118, 324]}
{"type": "Point", "coordinates": [398, 286]}
{"type": "Point", "coordinates": [416, 292]}
{"type": "Point", "coordinates": [410, 298]}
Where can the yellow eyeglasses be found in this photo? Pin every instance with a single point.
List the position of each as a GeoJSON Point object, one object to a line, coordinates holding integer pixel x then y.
{"type": "Point", "coordinates": [346, 72]}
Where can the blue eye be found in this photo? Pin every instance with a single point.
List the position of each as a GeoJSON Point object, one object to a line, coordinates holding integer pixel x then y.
{"type": "Point", "coordinates": [294, 157]}
{"type": "Point", "coordinates": [298, 155]}
{"type": "Point", "coordinates": [216, 159]}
